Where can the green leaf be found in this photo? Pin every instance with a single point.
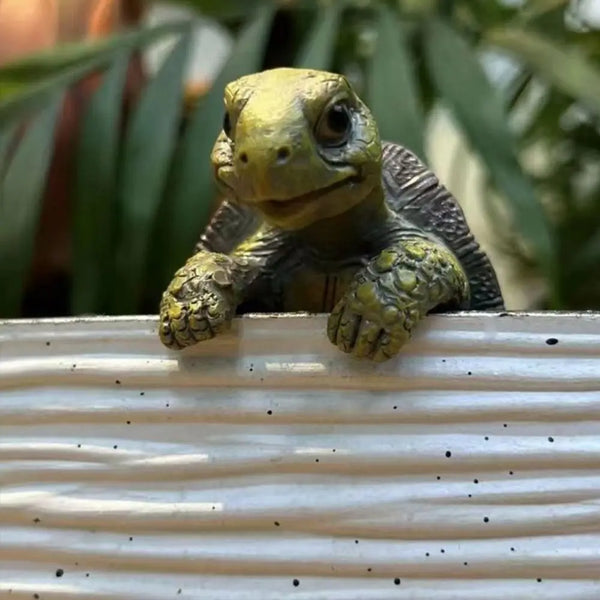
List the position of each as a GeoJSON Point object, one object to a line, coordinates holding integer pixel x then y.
{"type": "Point", "coordinates": [6, 137]}
{"type": "Point", "coordinates": [482, 14]}
{"type": "Point", "coordinates": [95, 191]}
{"type": "Point", "coordinates": [222, 9]}
{"type": "Point", "coordinates": [392, 90]}
{"type": "Point", "coordinates": [317, 51]}
{"type": "Point", "coordinates": [54, 61]}
{"type": "Point", "coordinates": [517, 88]}
{"type": "Point", "coordinates": [534, 9]}
{"type": "Point", "coordinates": [563, 66]}
{"type": "Point", "coordinates": [192, 188]}
{"type": "Point", "coordinates": [479, 109]}
{"type": "Point", "coordinates": [148, 147]}
{"type": "Point", "coordinates": [26, 84]}
{"type": "Point", "coordinates": [588, 258]}
{"type": "Point", "coordinates": [21, 190]}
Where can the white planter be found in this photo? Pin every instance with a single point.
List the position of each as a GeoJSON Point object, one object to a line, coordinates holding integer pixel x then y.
{"type": "Point", "coordinates": [468, 468]}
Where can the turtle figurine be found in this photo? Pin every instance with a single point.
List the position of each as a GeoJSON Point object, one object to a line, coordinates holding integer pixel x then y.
{"type": "Point", "coordinates": [323, 217]}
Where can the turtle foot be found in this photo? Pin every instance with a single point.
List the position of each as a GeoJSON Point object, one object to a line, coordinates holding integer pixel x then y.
{"type": "Point", "coordinates": [199, 303]}
{"type": "Point", "coordinates": [379, 311]}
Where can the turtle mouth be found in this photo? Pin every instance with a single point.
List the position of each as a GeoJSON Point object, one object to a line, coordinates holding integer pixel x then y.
{"type": "Point", "coordinates": [285, 206]}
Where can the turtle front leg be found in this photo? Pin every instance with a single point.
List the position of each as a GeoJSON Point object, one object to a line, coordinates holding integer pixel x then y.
{"type": "Point", "coordinates": [200, 301]}
{"type": "Point", "coordinates": [205, 293]}
{"type": "Point", "coordinates": [386, 299]}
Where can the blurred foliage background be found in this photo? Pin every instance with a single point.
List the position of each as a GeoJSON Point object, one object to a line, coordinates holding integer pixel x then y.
{"type": "Point", "coordinates": [105, 182]}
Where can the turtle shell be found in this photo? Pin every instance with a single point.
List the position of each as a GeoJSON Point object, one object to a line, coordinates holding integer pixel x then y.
{"type": "Point", "coordinates": [411, 190]}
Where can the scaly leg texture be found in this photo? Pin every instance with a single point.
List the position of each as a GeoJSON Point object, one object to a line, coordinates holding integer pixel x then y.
{"type": "Point", "coordinates": [377, 314]}
{"type": "Point", "coordinates": [203, 297]}
{"type": "Point", "coordinates": [200, 301]}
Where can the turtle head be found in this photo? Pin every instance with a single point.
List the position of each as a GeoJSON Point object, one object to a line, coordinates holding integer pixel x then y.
{"type": "Point", "coordinates": [298, 145]}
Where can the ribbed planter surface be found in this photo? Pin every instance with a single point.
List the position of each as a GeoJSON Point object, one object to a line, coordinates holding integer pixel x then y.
{"type": "Point", "coordinates": [269, 465]}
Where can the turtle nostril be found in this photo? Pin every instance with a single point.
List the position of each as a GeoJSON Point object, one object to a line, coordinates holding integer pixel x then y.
{"type": "Point", "coordinates": [243, 157]}
{"type": "Point", "coordinates": [283, 154]}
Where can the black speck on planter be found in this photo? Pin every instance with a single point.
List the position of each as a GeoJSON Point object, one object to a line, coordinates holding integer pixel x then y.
{"type": "Point", "coordinates": [59, 572]}
{"type": "Point", "coordinates": [296, 582]}
{"type": "Point", "coordinates": [397, 581]}
{"type": "Point", "coordinates": [448, 454]}
{"type": "Point", "coordinates": [551, 341]}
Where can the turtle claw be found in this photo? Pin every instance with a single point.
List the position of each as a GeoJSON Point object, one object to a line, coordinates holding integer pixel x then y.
{"type": "Point", "coordinates": [360, 328]}
{"type": "Point", "coordinates": [199, 303]}
{"type": "Point", "coordinates": [386, 300]}
{"type": "Point", "coordinates": [343, 327]}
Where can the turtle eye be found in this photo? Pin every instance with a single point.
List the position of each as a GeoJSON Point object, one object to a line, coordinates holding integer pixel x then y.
{"type": "Point", "coordinates": [334, 125]}
{"type": "Point", "coordinates": [227, 125]}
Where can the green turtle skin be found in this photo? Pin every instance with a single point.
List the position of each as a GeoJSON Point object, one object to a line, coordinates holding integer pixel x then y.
{"type": "Point", "coordinates": [321, 216]}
